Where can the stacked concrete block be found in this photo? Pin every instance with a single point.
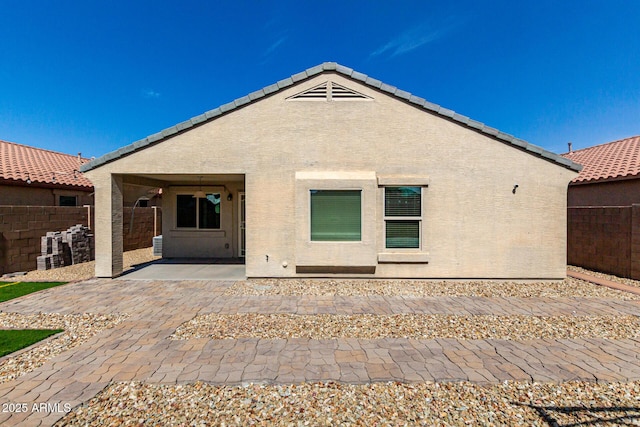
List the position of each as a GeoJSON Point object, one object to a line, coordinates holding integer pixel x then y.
{"type": "Point", "coordinates": [52, 250]}
{"type": "Point", "coordinates": [44, 262]}
{"type": "Point", "coordinates": [73, 246]}
{"type": "Point", "coordinates": [80, 242]}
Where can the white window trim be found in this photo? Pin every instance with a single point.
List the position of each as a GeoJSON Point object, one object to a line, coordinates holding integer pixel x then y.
{"type": "Point", "coordinates": [386, 218]}
{"type": "Point", "coordinates": [404, 255]}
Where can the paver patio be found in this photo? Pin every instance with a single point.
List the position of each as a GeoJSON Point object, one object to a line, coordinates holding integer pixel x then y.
{"type": "Point", "coordinates": [139, 348]}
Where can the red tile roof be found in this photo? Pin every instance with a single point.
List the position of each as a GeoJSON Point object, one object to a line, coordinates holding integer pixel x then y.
{"type": "Point", "coordinates": [614, 160]}
{"type": "Point", "coordinates": [21, 163]}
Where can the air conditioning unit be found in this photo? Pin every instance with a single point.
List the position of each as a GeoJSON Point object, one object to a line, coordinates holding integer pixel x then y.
{"type": "Point", "coordinates": [157, 245]}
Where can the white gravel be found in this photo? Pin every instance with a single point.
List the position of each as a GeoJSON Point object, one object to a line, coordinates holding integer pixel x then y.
{"type": "Point", "coordinates": [381, 404]}
{"type": "Point", "coordinates": [417, 326]}
{"type": "Point", "coordinates": [569, 287]}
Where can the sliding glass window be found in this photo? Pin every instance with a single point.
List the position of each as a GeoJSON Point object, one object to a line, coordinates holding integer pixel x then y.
{"type": "Point", "coordinates": [198, 212]}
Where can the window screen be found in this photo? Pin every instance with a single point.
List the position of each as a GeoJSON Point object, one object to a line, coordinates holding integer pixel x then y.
{"type": "Point", "coordinates": [336, 215]}
{"type": "Point", "coordinates": [402, 201]}
{"type": "Point", "coordinates": [403, 234]}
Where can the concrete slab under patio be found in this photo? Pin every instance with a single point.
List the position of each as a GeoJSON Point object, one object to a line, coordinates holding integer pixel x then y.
{"type": "Point", "coordinates": [189, 269]}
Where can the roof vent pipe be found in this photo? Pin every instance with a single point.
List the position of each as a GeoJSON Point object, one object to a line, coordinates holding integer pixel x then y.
{"type": "Point", "coordinates": [570, 147]}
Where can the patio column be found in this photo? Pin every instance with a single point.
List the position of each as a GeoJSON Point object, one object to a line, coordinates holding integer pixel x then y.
{"type": "Point", "coordinates": [108, 220]}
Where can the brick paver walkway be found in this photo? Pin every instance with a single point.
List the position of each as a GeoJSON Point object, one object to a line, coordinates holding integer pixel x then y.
{"type": "Point", "coordinates": [138, 348]}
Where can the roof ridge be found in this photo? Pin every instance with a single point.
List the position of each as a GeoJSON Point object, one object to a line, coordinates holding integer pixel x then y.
{"type": "Point", "coordinates": [600, 145]}
{"type": "Point", "coordinates": [352, 74]}
{"type": "Point", "coordinates": [609, 161]}
{"type": "Point", "coordinates": [43, 149]}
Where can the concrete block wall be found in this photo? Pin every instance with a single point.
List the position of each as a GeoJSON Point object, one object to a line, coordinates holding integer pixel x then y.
{"type": "Point", "coordinates": [635, 243]}
{"type": "Point", "coordinates": [21, 228]}
{"type": "Point", "coordinates": [605, 239]}
{"type": "Point", "coordinates": [141, 234]}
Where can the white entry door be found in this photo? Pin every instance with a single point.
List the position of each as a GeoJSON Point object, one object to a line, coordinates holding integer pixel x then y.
{"type": "Point", "coordinates": [242, 244]}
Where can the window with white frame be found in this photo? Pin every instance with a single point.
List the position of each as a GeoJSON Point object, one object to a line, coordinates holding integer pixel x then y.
{"type": "Point", "coordinates": [198, 212]}
{"type": "Point", "coordinates": [403, 217]}
{"type": "Point", "coordinates": [336, 215]}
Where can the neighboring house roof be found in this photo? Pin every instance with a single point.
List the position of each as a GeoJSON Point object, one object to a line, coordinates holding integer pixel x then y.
{"type": "Point", "coordinates": [607, 162]}
{"type": "Point", "coordinates": [349, 73]}
{"type": "Point", "coordinates": [28, 165]}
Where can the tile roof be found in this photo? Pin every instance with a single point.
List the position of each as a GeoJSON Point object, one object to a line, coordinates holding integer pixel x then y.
{"type": "Point", "coordinates": [333, 67]}
{"type": "Point", "coordinates": [43, 167]}
{"type": "Point", "coordinates": [610, 161]}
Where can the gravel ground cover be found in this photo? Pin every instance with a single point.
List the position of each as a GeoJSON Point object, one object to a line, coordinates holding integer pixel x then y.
{"type": "Point", "coordinates": [569, 287]}
{"type": "Point", "coordinates": [381, 404]}
{"type": "Point", "coordinates": [85, 270]}
{"type": "Point", "coordinates": [437, 404]}
{"type": "Point", "coordinates": [78, 328]}
{"type": "Point", "coordinates": [622, 280]}
{"type": "Point", "coordinates": [417, 326]}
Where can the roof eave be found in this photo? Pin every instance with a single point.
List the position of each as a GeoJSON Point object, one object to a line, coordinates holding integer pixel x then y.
{"type": "Point", "coordinates": [605, 180]}
{"type": "Point", "coordinates": [39, 184]}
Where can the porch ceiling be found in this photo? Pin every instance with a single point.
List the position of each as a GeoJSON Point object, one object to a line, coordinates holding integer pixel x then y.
{"type": "Point", "coordinates": [193, 178]}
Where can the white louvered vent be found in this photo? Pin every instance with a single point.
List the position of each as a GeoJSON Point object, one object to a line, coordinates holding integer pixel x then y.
{"type": "Point", "coordinates": [318, 92]}
{"type": "Point", "coordinates": [340, 92]}
{"type": "Point", "coordinates": [329, 91]}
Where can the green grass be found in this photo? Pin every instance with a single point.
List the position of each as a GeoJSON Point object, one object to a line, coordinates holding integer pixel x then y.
{"type": "Point", "coordinates": [10, 290]}
{"type": "Point", "coordinates": [16, 339]}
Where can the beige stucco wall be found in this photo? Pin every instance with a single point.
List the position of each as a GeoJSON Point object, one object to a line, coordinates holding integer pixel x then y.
{"type": "Point", "coordinates": [473, 224]}
{"type": "Point", "coordinates": [214, 243]}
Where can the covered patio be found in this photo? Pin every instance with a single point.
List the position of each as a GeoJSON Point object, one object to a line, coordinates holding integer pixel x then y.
{"type": "Point", "coordinates": [203, 223]}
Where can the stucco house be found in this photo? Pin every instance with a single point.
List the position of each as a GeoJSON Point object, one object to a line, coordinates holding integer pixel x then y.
{"type": "Point", "coordinates": [31, 176]}
{"type": "Point", "coordinates": [610, 174]}
{"type": "Point", "coordinates": [331, 172]}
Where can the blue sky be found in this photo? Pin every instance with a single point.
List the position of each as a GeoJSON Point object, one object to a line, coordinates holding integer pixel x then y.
{"type": "Point", "coordinates": [91, 76]}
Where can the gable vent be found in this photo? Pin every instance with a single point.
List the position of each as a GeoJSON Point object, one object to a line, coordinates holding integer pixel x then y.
{"type": "Point", "coordinates": [340, 92]}
{"type": "Point", "coordinates": [318, 92]}
{"type": "Point", "coordinates": [329, 91]}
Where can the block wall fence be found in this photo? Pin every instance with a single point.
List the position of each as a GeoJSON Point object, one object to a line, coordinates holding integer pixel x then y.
{"type": "Point", "coordinates": [605, 239]}
{"type": "Point", "coordinates": [21, 228]}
